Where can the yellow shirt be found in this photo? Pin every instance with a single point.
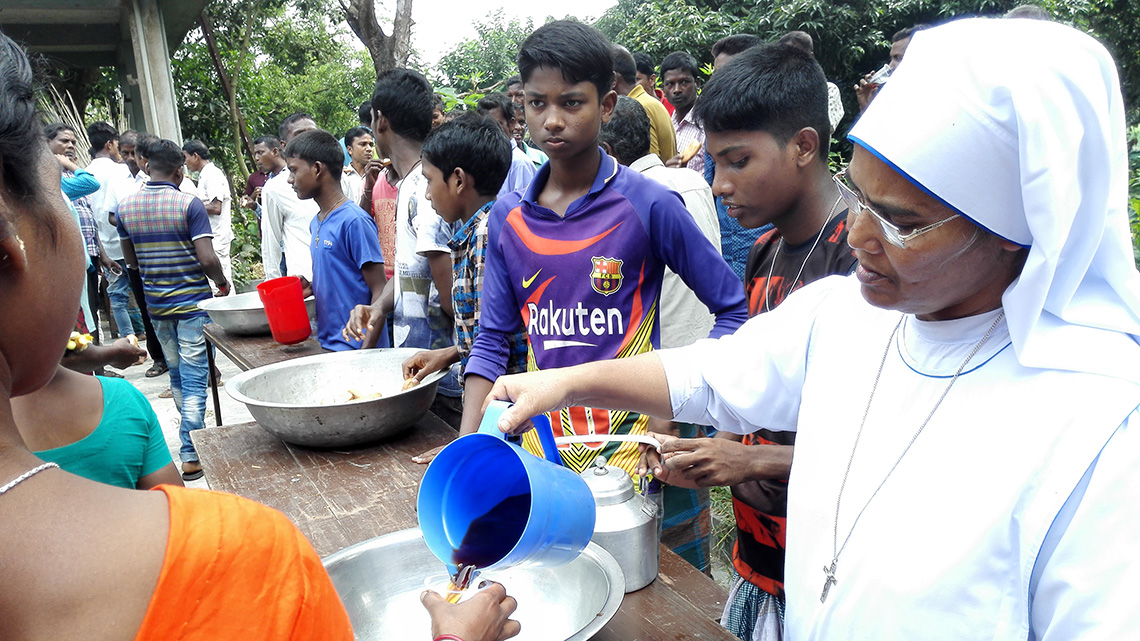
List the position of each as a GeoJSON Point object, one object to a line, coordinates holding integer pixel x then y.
{"type": "Point", "coordinates": [662, 138]}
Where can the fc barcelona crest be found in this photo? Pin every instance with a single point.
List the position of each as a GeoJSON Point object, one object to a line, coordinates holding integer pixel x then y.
{"type": "Point", "coordinates": [606, 275]}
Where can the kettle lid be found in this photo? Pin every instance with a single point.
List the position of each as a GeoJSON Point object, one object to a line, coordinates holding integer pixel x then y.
{"type": "Point", "coordinates": [610, 485]}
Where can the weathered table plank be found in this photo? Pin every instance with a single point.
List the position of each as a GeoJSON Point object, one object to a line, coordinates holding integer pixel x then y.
{"type": "Point", "coordinates": [248, 352]}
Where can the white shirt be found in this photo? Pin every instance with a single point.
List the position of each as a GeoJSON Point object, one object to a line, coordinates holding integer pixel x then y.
{"type": "Point", "coordinates": [988, 528]}
{"type": "Point", "coordinates": [285, 218]}
{"type": "Point", "coordinates": [684, 318]}
{"type": "Point", "coordinates": [213, 185]}
{"type": "Point", "coordinates": [418, 318]}
{"type": "Point", "coordinates": [109, 174]}
{"type": "Point", "coordinates": [352, 184]}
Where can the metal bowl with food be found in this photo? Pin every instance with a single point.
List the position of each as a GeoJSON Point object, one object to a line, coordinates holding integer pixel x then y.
{"type": "Point", "coordinates": [338, 399]}
{"type": "Point", "coordinates": [244, 314]}
{"type": "Point", "coordinates": [380, 581]}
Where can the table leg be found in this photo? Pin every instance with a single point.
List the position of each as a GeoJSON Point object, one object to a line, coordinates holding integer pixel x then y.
{"type": "Point", "coordinates": [214, 384]}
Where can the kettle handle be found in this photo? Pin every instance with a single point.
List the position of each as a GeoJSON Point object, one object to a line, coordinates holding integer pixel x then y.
{"type": "Point", "coordinates": [490, 425]}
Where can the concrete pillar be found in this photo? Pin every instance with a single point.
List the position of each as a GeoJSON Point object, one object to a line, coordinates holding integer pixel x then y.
{"type": "Point", "coordinates": [155, 88]}
{"type": "Point", "coordinates": [129, 85]}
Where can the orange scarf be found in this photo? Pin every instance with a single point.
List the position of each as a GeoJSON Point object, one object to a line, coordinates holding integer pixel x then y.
{"type": "Point", "coordinates": [235, 569]}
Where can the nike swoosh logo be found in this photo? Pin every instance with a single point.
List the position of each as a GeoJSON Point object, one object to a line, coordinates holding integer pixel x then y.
{"type": "Point", "coordinates": [527, 281]}
{"type": "Point", "coordinates": [549, 345]}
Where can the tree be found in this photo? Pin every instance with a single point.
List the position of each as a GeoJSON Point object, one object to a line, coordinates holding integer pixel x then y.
{"type": "Point", "coordinates": [280, 57]}
{"type": "Point", "coordinates": [387, 51]}
{"type": "Point", "coordinates": [487, 60]}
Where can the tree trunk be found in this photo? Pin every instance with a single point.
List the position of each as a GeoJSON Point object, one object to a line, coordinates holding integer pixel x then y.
{"type": "Point", "coordinates": [387, 51]}
{"type": "Point", "coordinates": [242, 141]}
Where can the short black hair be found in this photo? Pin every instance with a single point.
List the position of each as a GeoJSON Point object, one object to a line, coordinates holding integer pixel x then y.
{"type": "Point", "coordinates": [799, 39]}
{"type": "Point", "coordinates": [735, 44]}
{"type": "Point", "coordinates": [198, 147]}
{"type": "Point", "coordinates": [164, 156]}
{"type": "Point", "coordinates": [289, 120]}
{"type": "Point", "coordinates": [317, 145]}
{"type": "Point", "coordinates": [496, 101]}
{"type": "Point", "coordinates": [364, 113]}
{"type": "Point", "coordinates": [21, 138]}
{"type": "Point", "coordinates": [513, 80]}
{"type": "Point", "coordinates": [580, 52]}
{"type": "Point", "coordinates": [644, 64]}
{"type": "Point", "coordinates": [52, 131]}
{"type": "Point", "coordinates": [129, 137]}
{"type": "Point", "coordinates": [624, 64]}
{"type": "Point", "coordinates": [142, 147]}
{"type": "Point", "coordinates": [437, 102]}
{"type": "Point", "coordinates": [777, 89]}
{"type": "Point", "coordinates": [627, 132]}
{"type": "Point", "coordinates": [404, 97]}
{"type": "Point", "coordinates": [351, 135]}
{"type": "Point", "coordinates": [474, 144]}
{"type": "Point", "coordinates": [100, 133]}
{"type": "Point", "coordinates": [903, 34]}
{"type": "Point", "coordinates": [681, 61]}
{"type": "Point", "coordinates": [272, 142]}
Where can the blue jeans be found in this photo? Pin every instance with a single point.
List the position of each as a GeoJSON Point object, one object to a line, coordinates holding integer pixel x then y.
{"type": "Point", "coordinates": [185, 347]}
{"type": "Point", "coordinates": [119, 291]}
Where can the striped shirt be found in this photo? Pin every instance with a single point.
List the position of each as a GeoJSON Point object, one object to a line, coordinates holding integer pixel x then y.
{"type": "Point", "coordinates": [87, 223]}
{"type": "Point", "coordinates": [468, 250]}
{"type": "Point", "coordinates": [689, 131]}
{"type": "Point", "coordinates": [162, 223]}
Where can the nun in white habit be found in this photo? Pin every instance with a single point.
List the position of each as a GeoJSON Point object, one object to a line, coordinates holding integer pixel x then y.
{"type": "Point", "coordinates": [967, 461]}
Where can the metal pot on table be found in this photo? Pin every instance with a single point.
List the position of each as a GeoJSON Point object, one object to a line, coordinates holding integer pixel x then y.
{"type": "Point", "coordinates": [626, 523]}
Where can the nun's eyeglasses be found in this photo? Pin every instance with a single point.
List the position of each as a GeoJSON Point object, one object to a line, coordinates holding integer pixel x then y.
{"type": "Point", "coordinates": [891, 232]}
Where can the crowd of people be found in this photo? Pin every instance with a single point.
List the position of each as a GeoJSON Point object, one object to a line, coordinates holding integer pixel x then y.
{"type": "Point", "coordinates": [940, 341]}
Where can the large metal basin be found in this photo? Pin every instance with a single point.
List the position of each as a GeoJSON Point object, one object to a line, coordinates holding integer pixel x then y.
{"type": "Point", "coordinates": [380, 581]}
{"type": "Point", "coordinates": [244, 314]}
{"type": "Point", "coordinates": [291, 399]}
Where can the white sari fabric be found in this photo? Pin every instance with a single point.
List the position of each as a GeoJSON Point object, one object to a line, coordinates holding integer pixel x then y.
{"type": "Point", "coordinates": [1019, 126]}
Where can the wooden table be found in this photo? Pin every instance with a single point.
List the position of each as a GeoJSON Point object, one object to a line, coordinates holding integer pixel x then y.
{"type": "Point", "coordinates": [248, 352]}
{"type": "Point", "coordinates": [338, 498]}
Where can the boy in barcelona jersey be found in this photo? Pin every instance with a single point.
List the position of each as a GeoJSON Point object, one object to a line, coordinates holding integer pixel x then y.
{"type": "Point", "coordinates": [577, 259]}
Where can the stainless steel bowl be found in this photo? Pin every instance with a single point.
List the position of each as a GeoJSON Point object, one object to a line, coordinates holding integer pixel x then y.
{"type": "Point", "coordinates": [380, 581]}
{"type": "Point", "coordinates": [292, 399]}
{"type": "Point", "coordinates": [244, 314]}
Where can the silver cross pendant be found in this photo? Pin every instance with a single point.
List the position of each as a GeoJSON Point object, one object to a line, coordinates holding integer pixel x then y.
{"type": "Point", "coordinates": [829, 581]}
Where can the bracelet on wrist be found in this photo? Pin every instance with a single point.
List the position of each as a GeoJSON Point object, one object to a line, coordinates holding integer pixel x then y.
{"type": "Point", "coordinates": [447, 637]}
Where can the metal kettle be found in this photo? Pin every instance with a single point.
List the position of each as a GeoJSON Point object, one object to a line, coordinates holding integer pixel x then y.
{"type": "Point", "coordinates": [626, 524]}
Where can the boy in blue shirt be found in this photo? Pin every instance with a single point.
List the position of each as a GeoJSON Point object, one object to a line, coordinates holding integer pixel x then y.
{"type": "Point", "coordinates": [348, 268]}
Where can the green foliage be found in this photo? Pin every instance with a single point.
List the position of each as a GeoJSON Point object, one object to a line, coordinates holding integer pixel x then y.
{"type": "Point", "coordinates": [658, 27]}
{"type": "Point", "coordinates": [1134, 189]}
{"type": "Point", "coordinates": [453, 99]}
{"type": "Point", "coordinates": [487, 60]}
{"type": "Point", "coordinates": [298, 60]}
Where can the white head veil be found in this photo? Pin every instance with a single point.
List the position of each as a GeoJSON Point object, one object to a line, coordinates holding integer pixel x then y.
{"type": "Point", "coordinates": [1018, 125]}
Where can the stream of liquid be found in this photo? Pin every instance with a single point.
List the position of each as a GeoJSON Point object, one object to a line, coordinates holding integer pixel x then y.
{"type": "Point", "coordinates": [489, 538]}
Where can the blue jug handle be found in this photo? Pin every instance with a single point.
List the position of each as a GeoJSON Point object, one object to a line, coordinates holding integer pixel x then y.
{"type": "Point", "coordinates": [490, 425]}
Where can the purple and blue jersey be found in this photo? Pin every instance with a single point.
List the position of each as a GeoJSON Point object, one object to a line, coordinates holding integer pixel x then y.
{"type": "Point", "coordinates": [586, 287]}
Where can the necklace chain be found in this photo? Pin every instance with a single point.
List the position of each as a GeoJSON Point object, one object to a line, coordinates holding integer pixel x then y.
{"type": "Point", "coordinates": [321, 223]}
{"type": "Point", "coordinates": [776, 254]}
{"type": "Point", "coordinates": [835, 547]}
{"type": "Point", "coordinates": [26, 475]}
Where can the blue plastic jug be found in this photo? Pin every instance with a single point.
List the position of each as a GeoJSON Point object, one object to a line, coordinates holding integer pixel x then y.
{"type": "Point", "coordinates": [486, 501]}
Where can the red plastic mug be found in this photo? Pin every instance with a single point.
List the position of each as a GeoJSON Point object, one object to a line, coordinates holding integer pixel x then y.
{"type": "Point", "coordinates": [285, 309]}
